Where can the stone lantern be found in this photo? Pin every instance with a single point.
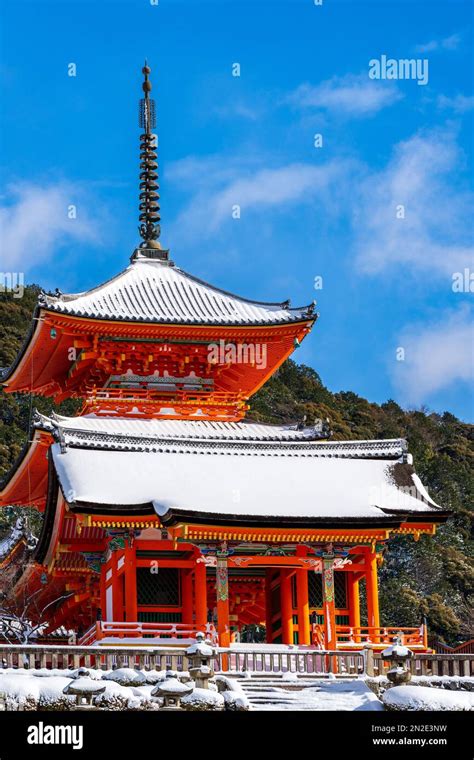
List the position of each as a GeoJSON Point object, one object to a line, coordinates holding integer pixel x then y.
{"type": "Point", "coordinates": [83, 687]}
{"type": "Point", "coordinates": [398, 654]}
{"type": "Point", "coordinates": [172, 691]}
{"type": "Point", "coordinates": [199, 655]}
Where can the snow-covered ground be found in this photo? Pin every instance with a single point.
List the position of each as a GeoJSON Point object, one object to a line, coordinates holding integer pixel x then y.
{"type": "Point", "coordinates": [427, 699]}
{"type": "Point", "coordinates": [450, 683]}
{"type": "Point", "coordinates": [129, 689]}
{"type": "Point", "coordinates": [124, 689]}
{"type": "Point", "coordinates": [42, 689]}
{"type": "Point", "coordinates": [292, 693]}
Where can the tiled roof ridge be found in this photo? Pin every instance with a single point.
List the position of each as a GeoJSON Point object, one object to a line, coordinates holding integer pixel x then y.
{"type": "Point", "coordinates": [96, 439]}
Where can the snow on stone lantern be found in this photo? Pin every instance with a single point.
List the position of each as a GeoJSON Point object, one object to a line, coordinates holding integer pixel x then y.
{"type": "Point", "coordinates": [83, 687]}
{"type": "Point", "coordinates": [199, 655]}
{"type": "Point", "coordinates": [398, 654]}
{"type": "Point", "coordinates": [171, 691]}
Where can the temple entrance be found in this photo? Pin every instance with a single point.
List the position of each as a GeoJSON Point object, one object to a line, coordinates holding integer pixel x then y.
{"type": "Point", "coordinates": [247, 614]}
{"type": "Point", "coordinates": [277, 605]}
{"type": "Point", "coordinates": [291, 599]}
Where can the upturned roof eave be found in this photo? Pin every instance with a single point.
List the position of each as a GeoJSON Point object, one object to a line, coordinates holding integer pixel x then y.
{"type": "Point", "coordinates": [299, 318]}
{"type": "Point", "coordinates": [26, 453]}
{"type": "Point", "coordinates": [35, 325]}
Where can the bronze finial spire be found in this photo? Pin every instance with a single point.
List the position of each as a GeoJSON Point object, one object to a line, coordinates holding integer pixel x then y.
{"type": "Point", "coordinates": [149, 227]}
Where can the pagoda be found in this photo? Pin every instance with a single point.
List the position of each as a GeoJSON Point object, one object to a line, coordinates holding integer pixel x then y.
{"type": "Point", "coordinates": [164, 510]}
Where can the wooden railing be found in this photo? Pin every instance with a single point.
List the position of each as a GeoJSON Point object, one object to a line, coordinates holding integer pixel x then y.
{"type": "Point", "coordinates": [348, 637]}
{"type": "Point", "coordinates": [123, 630]}
{"type": "Point", "coordinates": [151, 395]}
{"type": "Point", "coordinates": [270, 660]}
{"type": "Point", "coordinates": [312, 662]}
{"type": "Point", "coordinates": [101, 657]}
{"type": "Point", "coordinates": [302, 661]}
{"type": "Point", "coordinates": [466, 648]}
{"type": "Point", "coordinates": [425, 664]}
{"type": "Point", "coordinates": [359, 636]}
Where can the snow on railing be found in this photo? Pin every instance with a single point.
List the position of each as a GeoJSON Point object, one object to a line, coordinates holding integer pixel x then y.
{"type": "Point", "coordinates": [101, 657]}
{"type": "Point", "coordinates": [258, 659]}
{"type": "Point", "coordinates": [426, 664]}
{"type": "Point", "coordinates": [361, 635]}
{"type": "Point", "coordinates": [298, 661]}
{"type": "Point", "coordinates": [122, 630]}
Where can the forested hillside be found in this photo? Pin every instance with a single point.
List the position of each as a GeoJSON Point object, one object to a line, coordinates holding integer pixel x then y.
{"type": "Point", "coordinates": [432, 578]}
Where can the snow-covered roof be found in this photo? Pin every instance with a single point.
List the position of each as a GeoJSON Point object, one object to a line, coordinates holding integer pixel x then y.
{"type": "Point", "coordinates": [239, 478]}
{"type": "Point", "coordinates": [157, 291]}
{"type": "Point", "coordinates": [99, 431]}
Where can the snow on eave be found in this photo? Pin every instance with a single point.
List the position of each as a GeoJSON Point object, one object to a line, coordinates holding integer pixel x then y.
{"type": "Point", "coordinates": [239, 481]}
{"type": "Point", "coordinates": [136, 434]}
{"type": "Point", "coordinates": [155, 292]}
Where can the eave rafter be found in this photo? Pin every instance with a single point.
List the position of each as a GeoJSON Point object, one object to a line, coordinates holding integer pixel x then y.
{"type": "Point", "coordinates": [70, 356]}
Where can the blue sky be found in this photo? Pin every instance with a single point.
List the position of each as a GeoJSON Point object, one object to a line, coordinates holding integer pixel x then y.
{"type": "Point", "coordinates": [382, 211]}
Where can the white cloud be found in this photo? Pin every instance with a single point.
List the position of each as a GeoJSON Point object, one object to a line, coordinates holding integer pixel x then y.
{"type": "Point", "coordinates": [197, 172]}
{"type": "Point", "coordinates": [271, 187]}
{"type": "Point", "coordinates": [422, 176]}
{"type": "Point", "coordinates": [459, 103]}
{"type": "Point", "coordinates": [222, 185]}
{"type": "Point", "coordinates": [240, 110]}
{"type": "Point", "coordinates": [436, 356]}
{"type": "Point", "coordinates": [34, 222]}
{"type": "Point", "coordinates": [351, 95]}
{"type": "Point", "coordinates": [447, 43]}
{"type": "Point", "coordinates": [435, 234]}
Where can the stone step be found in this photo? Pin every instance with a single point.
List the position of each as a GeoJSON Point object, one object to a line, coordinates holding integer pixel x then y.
{"type": "Point", "coordinates": [276, 693]}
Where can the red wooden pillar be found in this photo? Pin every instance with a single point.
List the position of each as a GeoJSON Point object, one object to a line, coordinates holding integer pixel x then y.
{"type": "Point", "coordinates": [130, 571]}
{"type": "Point", "coordinates": [222, 594]}
{"type": "Point", "coordinates": [200, 595]}
{"type": "Point", "coordinates": [329, 605]}
{"type": "Point", "coordinates": [268, 606]}
{"type": "Point", "coordinates": [286, 602]}
{"type": "Point", "coordinates": [373, 615]}
{"type": "Point", "coordinates": [102, 591]}
{"type": "Point", "coordinates": [186, 597]}
{"type": "Point", "coordinates": [117, 593]}
{"type": "Point", "coordinates": [303, 606]}
{"type": "Point", "coordinates": [353, 599]}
